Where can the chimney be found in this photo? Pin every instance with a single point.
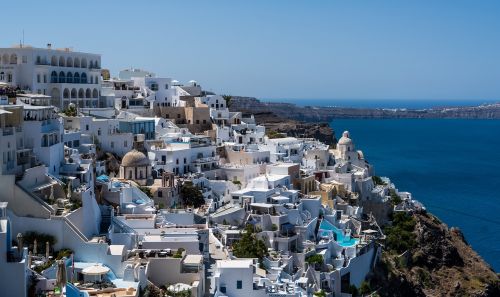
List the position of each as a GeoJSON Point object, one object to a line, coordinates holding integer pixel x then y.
{"type": "Point", "coordinates": [49, 45]}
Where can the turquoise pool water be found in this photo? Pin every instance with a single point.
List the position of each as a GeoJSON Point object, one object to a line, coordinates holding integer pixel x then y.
{"type": "Point", "coordinates": [325, 228]}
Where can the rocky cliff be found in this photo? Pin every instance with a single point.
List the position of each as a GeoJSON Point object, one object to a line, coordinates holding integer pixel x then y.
{"type": "Point", "coordinates": [441, 263]}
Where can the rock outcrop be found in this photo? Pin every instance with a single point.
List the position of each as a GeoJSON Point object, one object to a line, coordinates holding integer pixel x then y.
{"type": "Point", "coordinates": [440, 264]}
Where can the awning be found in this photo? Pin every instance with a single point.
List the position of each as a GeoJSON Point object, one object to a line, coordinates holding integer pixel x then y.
{"type": "Point", "coordinates": [95, 270]}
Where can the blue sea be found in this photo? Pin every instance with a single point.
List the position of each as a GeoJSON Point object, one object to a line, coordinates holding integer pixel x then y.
{"type": "Point", "coordinates": [452, 166]}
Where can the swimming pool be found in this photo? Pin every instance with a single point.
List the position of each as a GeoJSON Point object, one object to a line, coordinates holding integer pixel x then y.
{"type": "Point", "coordinates": [326, 227]}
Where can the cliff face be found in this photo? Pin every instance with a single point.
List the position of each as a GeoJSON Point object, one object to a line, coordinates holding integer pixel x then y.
{"type": "Point", "coordinates": [327, 114]}
{"type": "Point", "coordinates": [440, 264]}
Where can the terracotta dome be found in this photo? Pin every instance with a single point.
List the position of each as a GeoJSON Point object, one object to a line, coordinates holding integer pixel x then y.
{"type": "Point", "coordinates": [135, 158]}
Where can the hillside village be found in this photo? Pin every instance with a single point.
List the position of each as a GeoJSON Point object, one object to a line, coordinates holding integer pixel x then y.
{"type": "Point", "coordinates": [139, 185]}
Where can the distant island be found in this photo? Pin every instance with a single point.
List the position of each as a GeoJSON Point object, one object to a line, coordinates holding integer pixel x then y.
{"type": "Point", "coordinates": [327, 113]}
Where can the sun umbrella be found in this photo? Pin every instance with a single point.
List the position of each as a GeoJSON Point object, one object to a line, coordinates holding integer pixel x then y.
{"type": "Point", "coordinates": [19, 242]}
{"type": "Point", "coordinates": [61, 279]}
{"type": "Point", "coordinates": [47, 249]}
{"type": "Point", "coordinates": [35, 247]}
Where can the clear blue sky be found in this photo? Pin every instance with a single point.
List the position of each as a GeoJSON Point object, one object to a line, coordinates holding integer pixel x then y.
{"type": "Point", "coordinates": [283, 49]}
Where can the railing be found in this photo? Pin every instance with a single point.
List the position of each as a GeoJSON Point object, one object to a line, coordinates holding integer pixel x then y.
{"type": "Point", "coordinates": [8, 131]}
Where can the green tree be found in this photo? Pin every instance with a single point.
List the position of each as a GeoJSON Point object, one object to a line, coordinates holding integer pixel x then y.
{"type": "Point", "coordinates": [249, 246]}
{"type": "Point", "coordinates": [191, 196]}
{"type": "Point", "coordinates": [400, 236]}
{"type": "Point", "coordinates": [320, 293]}
{"type": "Point", "coordinates": [228, 99]}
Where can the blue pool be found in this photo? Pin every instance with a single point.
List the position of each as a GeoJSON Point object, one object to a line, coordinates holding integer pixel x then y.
{"type": "Point", "coordinates": [326, 227]}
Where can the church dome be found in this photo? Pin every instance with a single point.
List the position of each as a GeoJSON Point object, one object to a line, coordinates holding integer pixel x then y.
{"type": "Point", "coordinates": [135, 158]}
{"type": "Point", "coordinates": [345, 139]}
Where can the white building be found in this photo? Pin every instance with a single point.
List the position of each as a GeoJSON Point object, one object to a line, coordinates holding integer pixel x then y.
{"type": "Point", "coordinates": [13, 261]}
{"type": "Point", "coordinates": [65, 75]}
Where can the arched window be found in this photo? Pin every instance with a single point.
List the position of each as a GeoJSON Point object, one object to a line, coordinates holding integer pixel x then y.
{"type": "Point", "coordinates": [38, 60]}
{"type": "Point", "coordinates": [81, 93]}
{"type": "Point", "coordinates": [61, 61]}
{"type": "Point", "coordinates": [13, 59]}
{"type": "Point", "coordinates": [53, 61]}
{"type": "Point", "coordinates": [88, 93]}
{"type": "Point", "coordinates": [53, 77]}
{"type": "Point", "coordinates": [62, 77]}
{"type": "Point", "coordinates": [83, 78]}
{"type": "Point", "coordinates": [96, 79]}
{"type": "Point", "coordinates": [83, 63]}
{"type": "Point", "coordinates": [66, 93]}
{"type": "Point", "coordinates": [91, 79]}
{"type": "Point", "coordinates": [95, 93]}
{"type": "Point", "coordinates": [73, 93]}
{"type": "Point", "coordinates": [5, 59]}
{"type": "Point", "coordinates": [76, 62]}
{"type": "Point", "coordinates": [76, 78]}
{"type": "Point", "coordinates": [69, 78]}
{"type": "Point", "coordinates": [69, 62]}
{"type": "Point", "coordinates": [2, 76]}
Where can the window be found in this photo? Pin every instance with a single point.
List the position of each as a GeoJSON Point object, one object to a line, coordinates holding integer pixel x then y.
{"type": "Point", "coordinates": [38, 78]}
{"type": "Point", "coordinates": [223, 289]}
{"type": "Point", "coordinates": [160, 194]}
{"type": "Point", "coordinates": [87, 127]}
{"type": "Point", "coordinates": [166, 86]}
{"type": "Point", "coordinates": [9, 77]}
{"type": "Point", "coordinates": [125, 143]}
{"type": "Point", "coordinates": [99, 132]}
{"type": "Point", "coordinates": [176, 161]}
{"type": "Point", "coordinates": [185, 161]}
{"type": "Point", "coordinates": [239, 284]}
{"type": "Point", "coordinates": [2, 75]}
{"type": "Point", "coordinates": [45, 78]}
{"type": "Point", "coordinates": [112, 144]}
{"type": "Point", "coordinates": [25, 59]}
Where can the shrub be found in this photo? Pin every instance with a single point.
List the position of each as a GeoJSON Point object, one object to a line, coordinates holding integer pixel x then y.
{"type": "Point", "coordinates": [378, 181]}
{"type": "Point", "coordinates": [400, 236]}
{"type": "Point", "coordinates": [274, 227]}
{"type": "Point", "coordinates": [314, 259]}
{"type": "Point", "coordinates": [364, 288]}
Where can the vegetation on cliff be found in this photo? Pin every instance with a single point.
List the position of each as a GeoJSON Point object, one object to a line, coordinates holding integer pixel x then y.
{"type": "Point", "coordinates": [423, 257]}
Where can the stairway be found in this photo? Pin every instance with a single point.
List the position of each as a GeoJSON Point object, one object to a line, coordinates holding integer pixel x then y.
{"type": "Point", "coordinates": [105, 219]}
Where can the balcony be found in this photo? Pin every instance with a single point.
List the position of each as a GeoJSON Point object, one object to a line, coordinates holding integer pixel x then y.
{"type": "Point", "coordinates": [8, 131]}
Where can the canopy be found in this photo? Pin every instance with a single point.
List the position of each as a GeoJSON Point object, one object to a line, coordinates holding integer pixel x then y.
{"type": "Point", "coordinates": [95, 270]}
